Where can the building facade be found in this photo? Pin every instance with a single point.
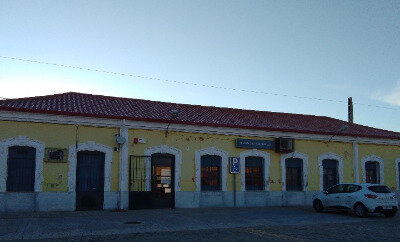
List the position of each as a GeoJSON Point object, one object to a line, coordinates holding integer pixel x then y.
{"type": "Point", "coordinates": [77, 151]}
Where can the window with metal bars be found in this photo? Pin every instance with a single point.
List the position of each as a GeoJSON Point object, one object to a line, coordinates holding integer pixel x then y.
{"type": "Point", "coordinates": [254, 173]}
{"type": "Point", "coordinates": [330, 173]}
{"type": "Point", "coordinates": [210, 173]}
{"type": "Point", "coordinates": [21, 169]}
{"type": "Point", "coordinates": [372, 172]}
{"type": "Point", "coordinates": [294, 174]}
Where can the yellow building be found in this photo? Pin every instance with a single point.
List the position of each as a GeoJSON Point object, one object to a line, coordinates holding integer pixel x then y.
{"type": "Point", "coordinates": [76, 151]}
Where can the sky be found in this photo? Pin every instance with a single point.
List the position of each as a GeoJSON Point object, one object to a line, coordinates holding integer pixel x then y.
{"type": "Point", "coordinates": [303, 57]}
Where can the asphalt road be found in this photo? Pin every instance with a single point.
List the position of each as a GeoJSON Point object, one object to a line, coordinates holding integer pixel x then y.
{"type": "Point", "coordinates": [361, 231]}
{"type": "Point", "coordinates": [225, 224]}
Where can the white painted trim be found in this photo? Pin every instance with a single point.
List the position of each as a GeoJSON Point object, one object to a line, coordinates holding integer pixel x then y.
{"type": "Point", "coordinates": [266, 162]}
{"type": "Point", "coordinates": [299, 155]}
{"type": "Point", "coordinates": [124, 167]}
{"type": "Point", "coordinates": [103, 122]}
{"type": "Point", "coordinates": [356, 168]}
{"type": "Point", "coordinates": [90, 146]}
{"type": "Point", "coordinates": [123, 161]}
{"type": "Point", "coordinates": [163, 149]}
{"type": "Point", "coordinates": [381, 167]}
{"type": "Point", "coordinates": [331, 156]}
{"type": "Point", "coordinates": [224, 165]}
{"type": "Point", "coordinates": [22, 141]}
{"type": "Point", "coordinates": [397, 164]}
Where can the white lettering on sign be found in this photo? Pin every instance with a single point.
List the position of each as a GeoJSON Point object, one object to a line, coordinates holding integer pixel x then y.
{"type": "Point", "coordinates": [234, 165]}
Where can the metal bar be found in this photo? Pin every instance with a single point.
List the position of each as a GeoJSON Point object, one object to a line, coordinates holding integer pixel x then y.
{"type": "Point", "coordinates": [130, 173]}
{"type": "Point", "coordinates": [135, 170]}
{"type": "Point", "coordinates": [234, 190]}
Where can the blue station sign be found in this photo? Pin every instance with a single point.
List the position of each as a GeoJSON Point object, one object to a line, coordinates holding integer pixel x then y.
{"type": "Point", "coordinates": [234, 165]}
{"type": "Point", "coordinates": [255, 144]}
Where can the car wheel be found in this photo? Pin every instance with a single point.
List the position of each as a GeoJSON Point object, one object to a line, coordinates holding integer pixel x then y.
{"type": "Point", "coordinates": [318, 206]}
{"type": "Point", "coordinates": [389, 214]}
{"type": "Point", "coordinates": [360, 210]}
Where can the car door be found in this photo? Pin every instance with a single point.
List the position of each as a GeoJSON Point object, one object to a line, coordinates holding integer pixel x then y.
{"type": "Point", "coordinates": [341, 196]}
{"type": "Point", "coordinates": [335, 198]}
{"type": "Point", "coordinates": [330, 196]}
{"type": "Point", "coordinates": [351, 195]}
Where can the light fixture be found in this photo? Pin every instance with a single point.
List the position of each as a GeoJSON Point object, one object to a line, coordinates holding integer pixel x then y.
{"type": "Point", "coordinates": [174, 114]}
{"type": "Point", "coordinates": [341, 129]}
{"type": "Point", "coordinates": [120, 141]}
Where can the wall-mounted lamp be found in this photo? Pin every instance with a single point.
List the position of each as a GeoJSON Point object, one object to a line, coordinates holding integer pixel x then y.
{"type": "Point", "coordinates": [341, 129]}
{"type": "Point", "coordinates": [120, 141]}
{"type": "Point", "coordinates": [174, 114]}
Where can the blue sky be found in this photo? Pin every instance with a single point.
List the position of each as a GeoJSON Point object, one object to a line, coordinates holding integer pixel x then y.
{"type": "Point", "coordinates": [319, 49]}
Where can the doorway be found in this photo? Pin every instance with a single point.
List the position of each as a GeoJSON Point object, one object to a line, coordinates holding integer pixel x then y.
{"type": "Point", "coordinates": [162, 181]}
{"type": "Point", "coordinates": [90, 180]}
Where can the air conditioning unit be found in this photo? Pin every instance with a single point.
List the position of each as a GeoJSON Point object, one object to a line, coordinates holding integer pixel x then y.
{"type": "Point", "coordinates": [284, 145]}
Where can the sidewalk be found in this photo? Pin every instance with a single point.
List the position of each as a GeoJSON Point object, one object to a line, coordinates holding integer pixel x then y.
{"type": "Point", "coordinates": [59, 225]}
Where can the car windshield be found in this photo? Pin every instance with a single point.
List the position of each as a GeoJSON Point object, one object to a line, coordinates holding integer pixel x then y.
{"type": "Point", "coordinates": [379, 189]}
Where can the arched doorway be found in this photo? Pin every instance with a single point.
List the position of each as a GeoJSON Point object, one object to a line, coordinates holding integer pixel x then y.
{"type": "Point", "coordinates": [90, 180]}
{"type": "Point", "coordinates": [162, 180]}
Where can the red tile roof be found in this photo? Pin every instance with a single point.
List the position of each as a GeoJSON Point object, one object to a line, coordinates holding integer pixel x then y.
{"type": "Point", "coordinates": [79, 104]}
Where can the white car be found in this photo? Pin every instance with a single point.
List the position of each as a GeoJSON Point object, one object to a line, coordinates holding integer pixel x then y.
{"type": "Point", "coordinates": [359, 198]}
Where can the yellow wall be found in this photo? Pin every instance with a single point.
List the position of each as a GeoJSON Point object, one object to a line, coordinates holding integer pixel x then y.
{"type": "Point", "coordinates": [63, 136]}
{"type": "Point", "coordinates": [389, 154]}
{"type": "Point", "coordinates": [314, 148]}
{"type": "Point", "coordinates": [188, 143]}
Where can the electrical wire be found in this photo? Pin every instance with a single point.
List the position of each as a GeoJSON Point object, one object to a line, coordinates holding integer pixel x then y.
{"type": "Point", "coordinates": [191, 83]}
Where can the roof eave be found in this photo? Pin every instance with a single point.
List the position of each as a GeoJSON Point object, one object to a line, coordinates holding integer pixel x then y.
{"type": "Point", "coordinates": [25, 110]}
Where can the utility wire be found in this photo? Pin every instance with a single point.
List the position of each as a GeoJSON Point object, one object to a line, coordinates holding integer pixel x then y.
{"type": "Point", "coordinates": [189, 83]}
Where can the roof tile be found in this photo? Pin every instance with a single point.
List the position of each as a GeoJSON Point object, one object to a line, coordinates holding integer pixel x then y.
{"type": "Point", "coordinates": [80, 104]}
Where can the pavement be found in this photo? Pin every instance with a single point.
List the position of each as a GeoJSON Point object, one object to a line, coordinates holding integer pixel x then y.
{"type": "Point", "coordinates": [143, 224]}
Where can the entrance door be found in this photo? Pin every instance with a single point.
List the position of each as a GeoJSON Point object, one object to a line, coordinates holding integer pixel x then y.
{"type": "Point", "coordinates": [90, 180]}
{"type": "Point", "coordinates": [162, 181]}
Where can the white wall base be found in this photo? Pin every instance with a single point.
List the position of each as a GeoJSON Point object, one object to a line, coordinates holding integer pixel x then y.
{"type": "Point", "coordinates": [243, 199]}
{"type": "Point", "coordinates": [56, 201]}
{"type": "Point", "coordinates": [110, 200]}
{"type": "Point", "coordinates": [65, 201]}
{"type": "Point", "coordinates": [49, 201]}
{"type": "Point", "coordinates": [18, 201]}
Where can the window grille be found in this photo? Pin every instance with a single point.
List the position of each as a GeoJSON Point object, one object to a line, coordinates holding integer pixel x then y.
{"type": "Point", "coordinates": [21, 169]}
{"type": "Point", "coordinates": [372, 172]}
{"type": "Point", "coordinates": [210, 173]}
{"type": "Point", "coordinates": [330, 173]}
{"type": "Point", "coordinates": [294, 174]}
{"type": "Point", "coordinates": [254, 173]}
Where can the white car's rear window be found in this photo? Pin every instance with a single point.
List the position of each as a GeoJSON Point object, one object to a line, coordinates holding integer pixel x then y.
{"type": "Point", "coordinates": [379, 189]}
